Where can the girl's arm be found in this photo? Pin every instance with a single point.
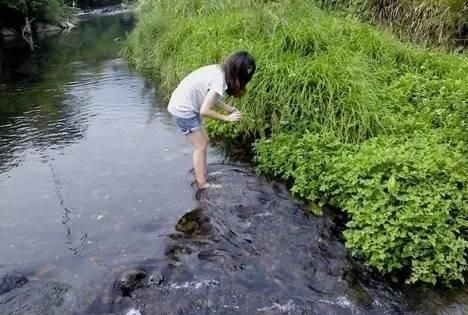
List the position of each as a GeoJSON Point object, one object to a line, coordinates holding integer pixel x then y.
{"type": "Point", "coordinates": [223, 106]}
{"type": "Point", "coordinates": [210, 101]}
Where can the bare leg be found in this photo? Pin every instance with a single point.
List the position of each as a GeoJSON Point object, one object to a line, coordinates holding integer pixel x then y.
{"type": "Point", "coordinates": [199, 140]}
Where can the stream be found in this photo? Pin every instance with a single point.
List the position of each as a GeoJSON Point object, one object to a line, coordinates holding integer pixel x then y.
{"type": "Point", "coordinates": [98, 216]}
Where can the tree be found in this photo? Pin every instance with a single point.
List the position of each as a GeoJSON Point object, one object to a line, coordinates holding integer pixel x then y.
{"type": "Point", "coordinates": [31, 10]}
{"type": "Point", "coordinates": [42, 9]}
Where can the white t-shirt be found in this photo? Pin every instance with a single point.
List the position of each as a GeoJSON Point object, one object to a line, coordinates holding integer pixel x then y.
{"type": "Point", "coordinates": [188, 97]}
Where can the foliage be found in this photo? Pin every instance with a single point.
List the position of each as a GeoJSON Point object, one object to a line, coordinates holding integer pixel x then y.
{"type": "Point", "coordinates": [44, 9]}
{"type": "Point", "coordinates": [406, 197]}
{"type": "Point", "coordinates": [347, 113]}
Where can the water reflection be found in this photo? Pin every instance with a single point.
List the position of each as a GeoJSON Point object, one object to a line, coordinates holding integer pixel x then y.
{"type": "Point", "coordinates": [38, 107]}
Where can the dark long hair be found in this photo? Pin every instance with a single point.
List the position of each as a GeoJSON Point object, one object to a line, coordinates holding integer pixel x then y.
{"type": "Point", "coordinates": [239, 69]}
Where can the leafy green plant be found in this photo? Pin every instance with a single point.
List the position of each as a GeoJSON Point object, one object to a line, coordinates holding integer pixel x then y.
{"type": "Point", "coordinates": [406, 197]}
{"type": "Point", "coordinates": [407, 202]}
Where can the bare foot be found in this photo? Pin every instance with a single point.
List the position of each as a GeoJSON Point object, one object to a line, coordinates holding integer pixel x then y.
{"type": "Point", "coordinates": [209, 186]}
{"type": "Point", "coordinates": [215, 173]}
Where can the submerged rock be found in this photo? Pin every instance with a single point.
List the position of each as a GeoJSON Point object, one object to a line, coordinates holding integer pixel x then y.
{"type": "Point", "coordinates": [11, 281]}
{"type": "Point", "coordinates": [247, 249]}
{"type": "Point", "coordinates": [194, 222]}
{"type": "Point", "coordinates": [20, 296]}
{"type": "Point", "coordinates": [130, 280]}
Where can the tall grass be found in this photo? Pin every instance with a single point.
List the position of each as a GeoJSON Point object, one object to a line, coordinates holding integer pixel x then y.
{"type": "Point", "coordinates": [317, 71]}
{"type": "Point", "coordinates": [428, 22]}
{"type": "Point", "coordinates": [291, 88]}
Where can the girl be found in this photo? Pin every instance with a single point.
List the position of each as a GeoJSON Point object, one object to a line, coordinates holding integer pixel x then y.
{"type": "Point", "coordinates": [199, 93]}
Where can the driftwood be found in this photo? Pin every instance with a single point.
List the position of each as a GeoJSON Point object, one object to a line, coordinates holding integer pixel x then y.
{"type": "Point", "coordinates": [69, 26]}
{"type": "Point", "coordinates": [27, 32]}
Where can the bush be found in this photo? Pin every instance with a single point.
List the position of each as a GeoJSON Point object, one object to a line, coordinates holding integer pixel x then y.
{"type": "Point", "coordinates": [406, 197]}
{"type": "Point", "coordinates": [347, 113]}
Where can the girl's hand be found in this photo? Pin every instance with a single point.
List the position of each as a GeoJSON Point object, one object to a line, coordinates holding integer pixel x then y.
{"type": "Point", "coordinates": [233, 117]}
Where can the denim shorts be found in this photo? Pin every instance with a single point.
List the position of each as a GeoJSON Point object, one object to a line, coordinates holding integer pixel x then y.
{"type": "Point", "coordinates": [188, 125]}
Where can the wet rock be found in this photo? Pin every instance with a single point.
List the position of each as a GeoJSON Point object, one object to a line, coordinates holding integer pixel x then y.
{"type": "Point", "coordinates": [194, 222]}
{"type": "Point", "coordinates": [11, 281]}
{"type": "Point", "coordinates": [22, 297]}
{"type": "Point", "coordinates": [131, 280]}
{"type": "Point", "coordinates": [156, 278]}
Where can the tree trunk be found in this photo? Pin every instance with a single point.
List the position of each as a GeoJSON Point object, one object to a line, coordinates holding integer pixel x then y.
{"type": "Point", "coordinates": [27, 32]}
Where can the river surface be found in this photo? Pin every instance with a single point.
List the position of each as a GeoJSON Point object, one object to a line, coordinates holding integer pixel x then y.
{"type": "Point", "coordinates": [97, 214]}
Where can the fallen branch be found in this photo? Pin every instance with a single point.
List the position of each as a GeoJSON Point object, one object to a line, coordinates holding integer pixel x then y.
{"type": "Point", "coordinates": [27, 32]}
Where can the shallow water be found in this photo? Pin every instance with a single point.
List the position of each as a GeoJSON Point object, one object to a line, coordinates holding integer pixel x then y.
{"type": "Point", "coordinates": [96, 204]}
{"type": "Point", "coordinates": [89, 161]}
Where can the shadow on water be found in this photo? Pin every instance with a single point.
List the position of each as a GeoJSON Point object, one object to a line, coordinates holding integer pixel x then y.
{"type": "Point", "coordinates": [94, 199]}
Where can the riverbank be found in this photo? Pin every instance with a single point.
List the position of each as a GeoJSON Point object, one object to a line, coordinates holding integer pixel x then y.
{"type": "Point", "coordinates": [348, 114]}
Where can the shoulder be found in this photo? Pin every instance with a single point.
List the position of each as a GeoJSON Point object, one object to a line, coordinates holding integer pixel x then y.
{"type": "Point", "coordinates": [213, 70]}
{"type": "Point", "coordinates": [217, 75]}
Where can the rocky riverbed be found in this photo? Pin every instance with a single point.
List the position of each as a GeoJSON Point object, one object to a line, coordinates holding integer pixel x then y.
{"type": "Point", "coordinates": [247, 248]}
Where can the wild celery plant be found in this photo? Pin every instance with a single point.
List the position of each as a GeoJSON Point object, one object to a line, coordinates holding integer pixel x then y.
{"type": "Point", "coordinates": [406, 197]}
{"type": "Point", "coordinates": [347, 113]}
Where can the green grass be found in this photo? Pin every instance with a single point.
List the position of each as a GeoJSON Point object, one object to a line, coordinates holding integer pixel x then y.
{"type": "Point", "coordinates": [347, 113]}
